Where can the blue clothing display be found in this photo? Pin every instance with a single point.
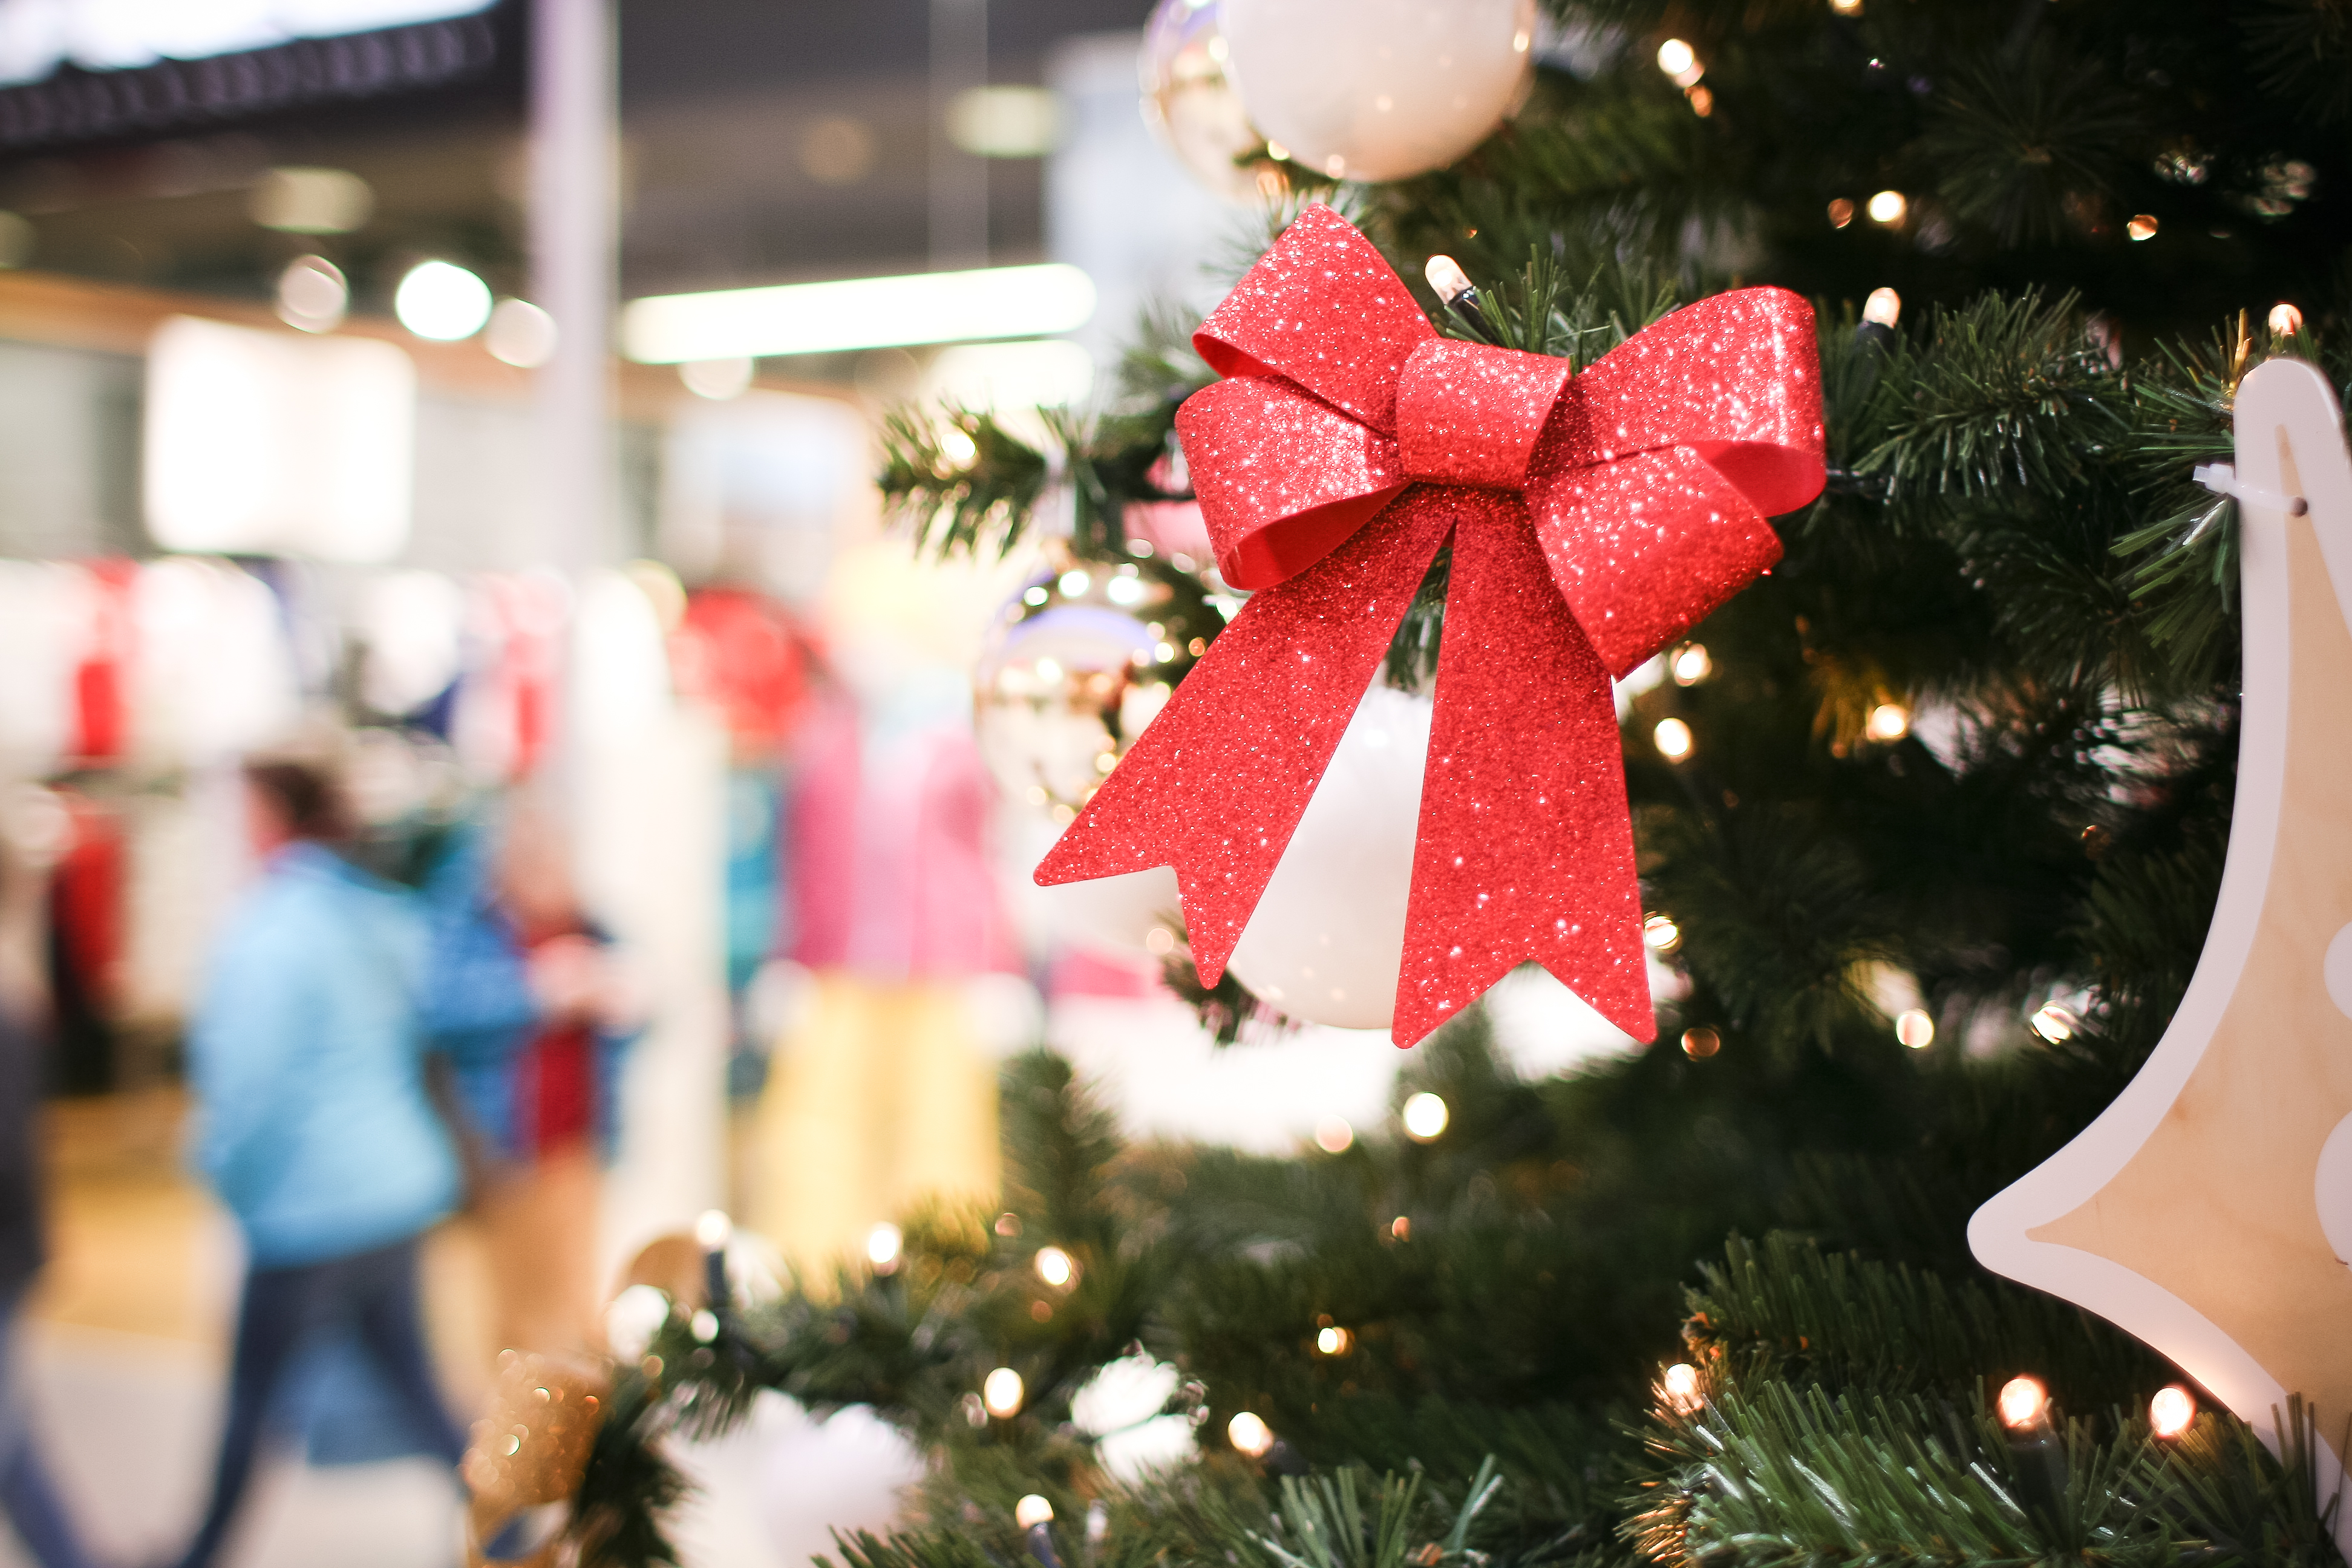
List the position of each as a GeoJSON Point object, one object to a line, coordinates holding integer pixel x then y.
{"type": "Point", "coordinates": [308, 1062]}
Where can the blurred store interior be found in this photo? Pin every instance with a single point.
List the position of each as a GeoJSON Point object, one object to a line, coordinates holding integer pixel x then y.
{"type": "Point", "coordinates": [293, 457]}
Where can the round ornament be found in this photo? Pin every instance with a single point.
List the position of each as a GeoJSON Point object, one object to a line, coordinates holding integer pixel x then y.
{"type": "Point", "coordinates": [1327, 939]}
{"type": "Point", "coordinates": [1190, 102]}
{"type": "Point", "coordinates": [1075, 669]}
{"type": "Point", "coordinates": [1379, 90]}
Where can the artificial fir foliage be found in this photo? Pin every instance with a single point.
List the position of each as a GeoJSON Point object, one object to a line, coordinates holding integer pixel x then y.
{"type": "Point", "coordinates": [2011, 558]}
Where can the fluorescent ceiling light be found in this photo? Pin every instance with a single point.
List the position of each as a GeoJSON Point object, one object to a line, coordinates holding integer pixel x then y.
{"type": "Point", "coordinates": [858, 313]}
{"type": "Point", "coordinates": [38, 36]}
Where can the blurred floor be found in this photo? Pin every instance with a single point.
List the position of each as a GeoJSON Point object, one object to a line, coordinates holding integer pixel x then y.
{"type": "Point", "coordinates": [126, 1359]}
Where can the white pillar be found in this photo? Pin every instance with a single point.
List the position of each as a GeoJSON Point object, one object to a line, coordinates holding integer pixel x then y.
{"type": "Point", "coordinates": [576, 261]}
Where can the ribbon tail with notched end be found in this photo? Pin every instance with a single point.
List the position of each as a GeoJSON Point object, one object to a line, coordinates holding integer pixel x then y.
{"type": "Point", "coordinates": [1524, 850]}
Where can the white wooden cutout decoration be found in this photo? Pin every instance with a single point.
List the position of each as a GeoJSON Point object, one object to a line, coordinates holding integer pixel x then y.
{"type": "Point", "coordinates": [2208, 1210]}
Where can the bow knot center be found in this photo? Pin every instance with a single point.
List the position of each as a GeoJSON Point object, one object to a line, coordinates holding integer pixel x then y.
{"type": "Point", "coordinates": [1470, 413]}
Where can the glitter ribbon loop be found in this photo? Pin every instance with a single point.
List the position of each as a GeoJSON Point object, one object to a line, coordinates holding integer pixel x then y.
{"type": "Point", "coordinates": [1594, 517]}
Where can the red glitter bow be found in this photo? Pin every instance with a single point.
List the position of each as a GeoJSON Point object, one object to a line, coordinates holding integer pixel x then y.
{"type": "Point", "coordinates": [1594, 518]}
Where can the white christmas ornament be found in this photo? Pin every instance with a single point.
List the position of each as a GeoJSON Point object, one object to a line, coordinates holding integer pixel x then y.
{"type": "Point", "coordinates": [1379, 90]}
{"type": "Point", "coordinates": [1327, 939]}
{"type": "Point", "coordinates": [1189, 99]}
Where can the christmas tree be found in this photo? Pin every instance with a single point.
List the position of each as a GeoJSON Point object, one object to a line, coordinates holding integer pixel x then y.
{"type": "Point", "coordinates": [1931, 819]}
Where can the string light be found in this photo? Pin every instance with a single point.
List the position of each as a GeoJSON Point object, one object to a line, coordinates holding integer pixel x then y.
{"type": "Point", "coordinates": [1031, 1512]}
{"type": "Point", "coordinates": [958, 448]}
{"type": "Point", "coordinates": [1915, 1029]}
{"type": "Point", "coordinates": [2172, 1411]}
{"type": "Point", "coordinates": [1674, 739]}
{"type": "Point", "coordinates": [1333, 1135]}
{"type": "Point", "coordinates": [1002, 1392]}
{"type": "Point", "coordinates": [1888, 721]}
{"type": "Point", "coordinates": [2054, 1023]}
{"type": "Point", "coordinates": [1887, 208]}
{"type": "Point", "coordinates": [1425, 1117]}
{"type": "Point", "coordinates": [1074, 585]}
{"type": "Point", "coordinates": [1680, 62]}
{"type": "Point", "coordinates": [1884, 308]}
{"type": "Point", "coordinates": [1660, 932]}
{"type": "Point", "coordinates": [2285, 319]}
{"type": "Point", "coordinates": [312, 294]}
{"type": "Point", "coordinates": [1250, 1435]}
{"type": "Point", "coordinates": [1841, 213]}
{"type": "Point", "coordinates": [1691, 665]}
{"type": "Point", "coordinates": [1055, 1267]}
{"type": "Point", "coordinates": [1333, 1341]}
{"type": "Point", "coordinates": [884, 1243]}
{"type": "Point", "coordinates": [2023, 1403]}
{"type": "Point", "coordinates": [1701, 101]}
{"type": "Point", "coordinates": [520, 335]}
{"type": "Point", "coordinates": [1847, 7]}
{"type": "Point", "coordinates": [2142, 226]}
{"type": "Point", "coordinates": [442, 301]}
{"type": "Point", "coordinates": [703, 1326]}
{"type": "Point", "coordinates": [1682, 1387]}
{"type": "Point", "coordinates": [1701, 1043]}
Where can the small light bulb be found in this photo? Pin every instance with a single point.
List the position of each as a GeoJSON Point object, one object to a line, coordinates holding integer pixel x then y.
{"type": "Point", "coordinates": [703, 1326]}
{"type": "Point", "coordinates": [1334, 1341]}
{"type": "Point", "coordinates": [2024, 1403]}
{"type": "Point", "coordinates": [312, 294]}
{"type": "Point", "coordinates": [1682, 1387]}
{"type": "Point", "coordinates": [1915, 1029]}
{"type": "Point", "coordinates": [442, 301]}
{"type": "Point", "coordinates": [2142, 226]}
{"type": "Point", "coordinates": [1049, 671]}
{"type": "Point", "coordinates": [1660, 932]}
{"type": "Point", "coordinates": [1250, 1435]}
{"type": "Point", "coordinates": [1888, 721]}
{"type": "Point", "coordinates": [1691, 665]}
{"type": "Point", "coordinates": [520, 335]}
{"type": "Point", "coordinates": [1701, 1043]}
{"type": "Point", "coordinates": [1841, 213]}
{"type": "Point", "coordinates": [1277, 151]}
{"type": "Point", "coordinates": [1002, 1392]}
{"type": "Point", "coordinates": [719, 380]}
{"type": "Point", "coordinates": [1674, 739]}
{"type": "Point", "coordinates": [1887, 208]}
{"type": "Point", "coordinates": [2054, 1023]}
{"type": "Point", "coordinates": [1680, 62]}
{"type": "Point", "coordinates": [1885, 307]}
{"type": "Point", "coordinates": [1031, 1512]}
{"type": "Point", "coordinates": [883, 1245]}
{"type": "Point", "coordinates": [1333, 1135]}
{"type": "Point", "coordinates": [2172, 1411]}
{"type": "Point", "coordinates": [713, 1230]}
{"type": "Point", "coordinates": [1425, 1117]}
{"type": "Point", "coordinates": [1055, 1267]}
{"type": "Point", "coordinates": [1446, 276]}
{"type": "Point", "coordinates": [1400, 1227]}
{"type": "Point", "coordinates": [1847, 7]}
{"type": "Point", "coordinates": [1701, 101]}
{"type": "Point", "coordinates": [2285, 319]}
{"type": "Point", "coordinates": [1074, 585]}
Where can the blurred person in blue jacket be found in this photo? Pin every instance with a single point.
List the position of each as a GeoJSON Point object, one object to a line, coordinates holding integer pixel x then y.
{"type": "Point", "coordinates": [26, 1495]}
{"type": "Point", "coordinates": [534, 1007]}
{"type": "Point", "coordinates": [314, 1126]}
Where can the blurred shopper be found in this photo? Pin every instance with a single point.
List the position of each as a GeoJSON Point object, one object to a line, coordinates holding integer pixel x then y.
{"type": "Point", "coordinates": [26, 1495]}
{"type": "Point", "coordinates": [534, 1007]}
{"type": "Point", "coordinates": [314, 1126]}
